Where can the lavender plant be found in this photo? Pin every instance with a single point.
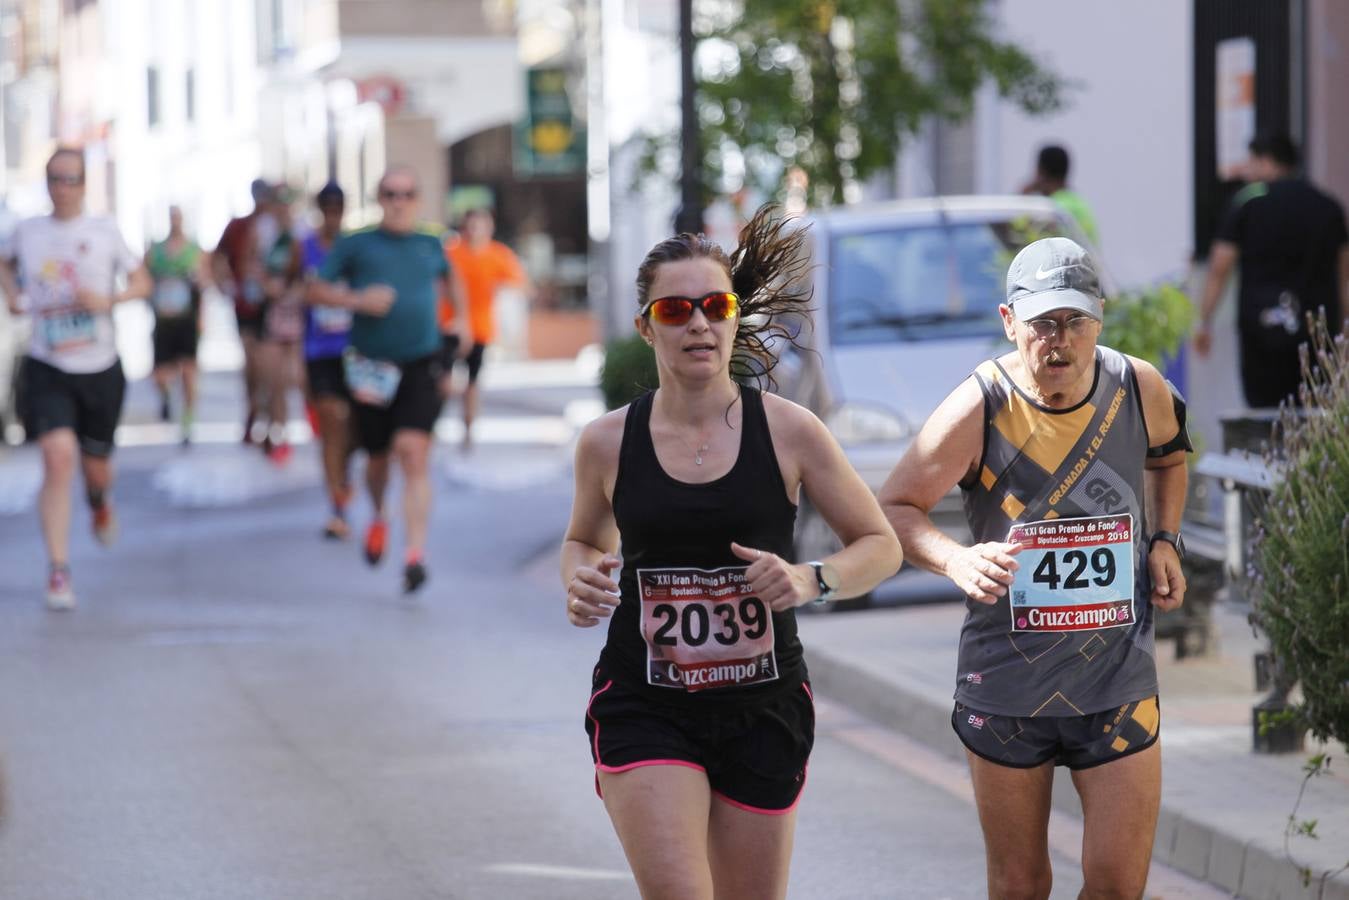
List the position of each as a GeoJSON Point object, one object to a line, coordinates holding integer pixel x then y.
{"type": "Point", "coordinates": [1300, 561]}
{"type": "Point", "coordinates": [1300, 557]}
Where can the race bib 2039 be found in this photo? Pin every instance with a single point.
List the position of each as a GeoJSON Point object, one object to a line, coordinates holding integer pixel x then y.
{"type": "Point", "coordinates": [704, 629]}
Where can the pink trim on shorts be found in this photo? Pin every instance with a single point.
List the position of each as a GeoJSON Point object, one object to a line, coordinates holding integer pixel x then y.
{"type": "Point", "coordinates": [615, 770]}
{"type": "Point", "coordinates": [591, 702]}
{"type": "Point", "coordinates": [767, 812]}
{"type": "Point", "coordinates": [805, 687]}
{"type": "Point", "coordinates": [618, 770]}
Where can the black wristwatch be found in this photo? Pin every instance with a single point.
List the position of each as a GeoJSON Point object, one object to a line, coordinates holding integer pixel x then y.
{"type": "Point", "coordinates": [1175, 540]}
{"type": "Point", "coordinates": [826, 591]}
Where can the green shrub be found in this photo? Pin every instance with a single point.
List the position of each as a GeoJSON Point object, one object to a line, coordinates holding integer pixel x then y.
{"type": "Point", "coordinates": [1149, 324]}
{"type": "Point", "coordinates": [1300, 557]}
{"type": "Point", "coordinates": [629, 370]}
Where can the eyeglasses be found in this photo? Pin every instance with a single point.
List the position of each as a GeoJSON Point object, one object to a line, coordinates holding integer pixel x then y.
{"type": "Point", "coordinates": [67, 180]}
{"type": "Point", "coordinates": [716, 306]}
{"type": "Point", "coordinates": [397, 195]}
{"type": "Point", "coordinates": [1046, 328]}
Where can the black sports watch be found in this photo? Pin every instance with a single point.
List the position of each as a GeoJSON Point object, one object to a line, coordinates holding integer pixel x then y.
{"type": "Point", "coordinates": [1175, 540]}
{"type": "Point", "coordinates": [826, 591]}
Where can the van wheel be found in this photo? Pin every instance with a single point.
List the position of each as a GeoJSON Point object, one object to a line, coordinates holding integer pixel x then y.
{"type": "Point", "coordinates": [814, 539]}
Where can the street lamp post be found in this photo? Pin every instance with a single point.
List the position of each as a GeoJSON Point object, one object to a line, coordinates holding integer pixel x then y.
{"type": "Point", "coordinates": [690, 215]}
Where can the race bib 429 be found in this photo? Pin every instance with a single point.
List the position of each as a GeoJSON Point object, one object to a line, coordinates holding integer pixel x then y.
{"type": "Point", "coordinates": [1075, 574]}
{"type": "Point", "coordinates": [704, 629]}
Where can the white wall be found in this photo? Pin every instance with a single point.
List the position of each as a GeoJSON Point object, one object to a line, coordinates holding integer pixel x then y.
{"type": "Point", "coordinates": [1128, 124]}
{"type": "Point", "coordinates": [641, 94]}
{"type": "Point", "coordinates": [203, 165]}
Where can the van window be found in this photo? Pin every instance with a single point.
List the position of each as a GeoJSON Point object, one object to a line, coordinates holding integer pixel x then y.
{"type": "Point", "coordinates": [919, 283]}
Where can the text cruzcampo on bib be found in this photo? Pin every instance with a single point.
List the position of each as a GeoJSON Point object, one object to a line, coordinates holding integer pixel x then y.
{"type": "Point", "coordinates": [704, 629]}
{"type": "Point", "coordinates": [1074, 575]}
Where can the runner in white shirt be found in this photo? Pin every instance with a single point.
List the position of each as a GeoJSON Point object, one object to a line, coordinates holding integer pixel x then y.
{"type": "Point", "coordinates": [63, 270]}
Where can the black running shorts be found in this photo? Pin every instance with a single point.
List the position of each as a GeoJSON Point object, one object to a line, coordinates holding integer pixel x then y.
{"type": "Point", "coordinates": [326, 378]}
{"type": "Point", "coordinates": [90, 404]}
{"type": "Point", "coordinates": [450, 356]}
{"type": "Point", "coordinates": [415, 406]}
{"type": "Point", "coordinates": [1078, 742]}
{"type": "Point", "coordinates": [175, 340]}
{"type": "Point", "coordinates": [754, 756]}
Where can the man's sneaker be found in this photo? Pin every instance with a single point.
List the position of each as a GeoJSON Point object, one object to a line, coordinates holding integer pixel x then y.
{"type": "Point", "coordinates": [105, 524]}
{"type": "Point", "coordinates": [279, 454]}
{"type": "Point", "coordinates": [375, 536]}
{"type": "Point", "coordinates": [60, 593]}
{"type": "Point", "coordinates": [414, 576]}
{"type": "Point", "coordinates": [337, 529]}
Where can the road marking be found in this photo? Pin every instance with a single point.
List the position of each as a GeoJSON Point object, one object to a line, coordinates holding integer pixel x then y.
{"type": "Point", "coordinates": [197, 480]}
{"type": "Point", "coordinates": [940, 771]}
{"type": "Point", "coordinates": [567, 873]}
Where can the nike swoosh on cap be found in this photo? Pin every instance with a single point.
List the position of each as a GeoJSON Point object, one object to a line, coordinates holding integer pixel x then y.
{"type": "Point", "coordinates": [1042, 274]}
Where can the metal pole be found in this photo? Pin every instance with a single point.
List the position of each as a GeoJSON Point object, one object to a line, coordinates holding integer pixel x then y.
{"type": "Point", "coordinates": [690, 215]}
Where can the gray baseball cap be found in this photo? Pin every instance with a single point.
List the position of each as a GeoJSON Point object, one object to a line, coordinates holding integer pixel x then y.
{"type": "Point", "coordinates": [1053, 273]}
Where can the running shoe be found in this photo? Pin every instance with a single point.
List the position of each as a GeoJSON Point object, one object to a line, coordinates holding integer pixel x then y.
{"type": "Point", "coordinates": [105, 524]}
{"type": "Point", "coordinates": [60, 593]}
{"type": "Point", "coordinates": [414, 576]}
{"type": "Point", "coordinates": [165, 411]}
{"type": "Point", "coordinates": [375, 536]}
{"type": "Point", "coordinates": [279, 454]}
{"type": "Point", "coordinates": [337, 529]}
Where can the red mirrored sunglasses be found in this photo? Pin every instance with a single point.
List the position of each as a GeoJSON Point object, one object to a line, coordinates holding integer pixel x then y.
{"type": "Point", "coordinates": [716, 306]}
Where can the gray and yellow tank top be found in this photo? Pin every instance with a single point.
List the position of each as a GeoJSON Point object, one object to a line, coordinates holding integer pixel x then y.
{"type": "Point", "coordinates": [1074, 635]}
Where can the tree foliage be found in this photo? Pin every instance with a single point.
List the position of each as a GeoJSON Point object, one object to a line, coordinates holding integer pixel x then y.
{"type": "Point", "coordinates": [834, 86]}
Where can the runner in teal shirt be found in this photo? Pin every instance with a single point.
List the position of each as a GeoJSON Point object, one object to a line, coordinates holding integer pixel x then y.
{"type": "Point", "coordinates": [413, 264]}
{"type": "Point", "coordinates": [391, 278]}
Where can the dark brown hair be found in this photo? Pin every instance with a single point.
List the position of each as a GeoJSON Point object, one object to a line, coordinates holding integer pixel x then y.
{"type": "Point", "coordinates": [769, 271]}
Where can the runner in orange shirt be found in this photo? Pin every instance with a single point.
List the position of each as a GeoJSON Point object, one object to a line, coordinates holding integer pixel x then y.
{"type": "Point", "coordinates": [485, 265]}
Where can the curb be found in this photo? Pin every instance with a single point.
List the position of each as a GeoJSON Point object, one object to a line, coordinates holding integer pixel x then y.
{"type": "Point", "coordinates": [1183, 842]}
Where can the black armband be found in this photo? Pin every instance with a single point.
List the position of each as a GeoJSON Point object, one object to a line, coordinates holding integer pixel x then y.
{"type": "Point", "coordinates": [1182, 439]}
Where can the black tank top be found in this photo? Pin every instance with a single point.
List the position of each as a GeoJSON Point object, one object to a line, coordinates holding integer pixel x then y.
{"type": "Point", "coordinates": [688, 630]}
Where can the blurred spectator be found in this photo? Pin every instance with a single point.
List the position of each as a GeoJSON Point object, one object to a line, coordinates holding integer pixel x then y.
{"type": "Point", "coordinates": [1051, 180]}
{"type": "Point", "coordinates": [1291, 241]}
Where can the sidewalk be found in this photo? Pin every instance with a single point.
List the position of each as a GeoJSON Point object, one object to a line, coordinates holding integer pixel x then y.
{"type": "Point", "coordinates": [1223, 807]}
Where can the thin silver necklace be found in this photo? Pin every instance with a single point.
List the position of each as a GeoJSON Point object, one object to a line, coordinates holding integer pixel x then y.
{"type": "Point", "coordinates": [698, 452]}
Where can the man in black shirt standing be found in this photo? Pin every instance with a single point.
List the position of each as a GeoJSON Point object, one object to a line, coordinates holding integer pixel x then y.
{"type": "Point", "coordinates": [1294, 252]}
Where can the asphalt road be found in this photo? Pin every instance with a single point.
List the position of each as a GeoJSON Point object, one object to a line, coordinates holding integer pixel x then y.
{"type": "Point", "coordinates": [240, 710]}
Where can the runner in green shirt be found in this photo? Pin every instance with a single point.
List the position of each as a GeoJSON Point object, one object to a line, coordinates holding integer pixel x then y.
{"type": "Point", "coordinates": [178, 268]}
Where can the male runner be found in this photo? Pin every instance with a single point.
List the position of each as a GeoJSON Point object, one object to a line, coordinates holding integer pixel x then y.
{"type": "Point", "coordinates": [65, 266]}
{"type": "Point", "coordinates": [239, 271]}
{"type": "Point", "coordinates": [1071, 460]}
{"type": "Point", "coordinates": [390, 276]}
{"type": "Point", "coordinates": [485, 265]}
{"type": "Point", "coordinates": [179, 269]}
